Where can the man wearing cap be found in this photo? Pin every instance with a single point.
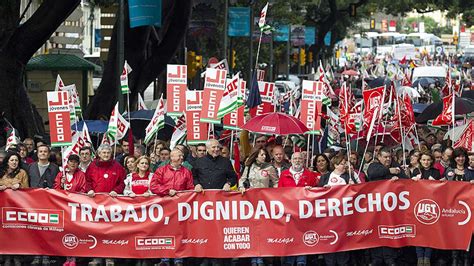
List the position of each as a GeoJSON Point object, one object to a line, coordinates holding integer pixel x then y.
{"type": "Point", "coordinates": [72, 179]}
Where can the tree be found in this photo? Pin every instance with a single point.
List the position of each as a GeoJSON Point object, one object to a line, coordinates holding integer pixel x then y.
{"type": "Point", "coordinates": [148, 50]}
{"type": "Point", "coordinates": [18, 43]}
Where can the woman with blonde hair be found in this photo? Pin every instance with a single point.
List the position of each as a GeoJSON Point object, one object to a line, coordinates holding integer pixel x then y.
{"type": "Point", "coordinates": [138, 181]}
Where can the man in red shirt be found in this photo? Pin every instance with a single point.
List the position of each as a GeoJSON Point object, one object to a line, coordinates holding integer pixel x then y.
{"type": "Point", "coordinates": [105, 175]}
{"type": "Point", "coordinates": [297, 175]}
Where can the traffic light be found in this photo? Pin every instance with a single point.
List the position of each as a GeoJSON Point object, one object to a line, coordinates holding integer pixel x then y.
{"type": "Point", "coordinates": [372, 24]}
{"type": "Point", "coordinates": [295, 57]}
{"type": "Point", "coordinates": [191, 62]}
{"type": "Point", "coordinates": [455, 38]}
{"type": "Point", "coordinates": [310, 57]}
{"type": "Point", "coordinates": [198, 62]}
{"type": "Point", "coordinates": [233, 58]}
{"type": "Point", "coordinates": [194, 63]}
{"type": "Point", "coordinates": [353, 10]}
{"type": "Point", "coordinates": [302, 57]}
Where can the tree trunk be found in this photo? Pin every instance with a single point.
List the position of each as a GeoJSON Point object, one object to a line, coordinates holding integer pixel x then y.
{"type": "Point", "coordinates": [18, 44]}
{"type": "Point", "coordinates": [147, 50]}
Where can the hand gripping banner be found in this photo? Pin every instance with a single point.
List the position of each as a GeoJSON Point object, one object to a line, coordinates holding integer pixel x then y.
{"type": "Point", "coordinates": [262, 222]}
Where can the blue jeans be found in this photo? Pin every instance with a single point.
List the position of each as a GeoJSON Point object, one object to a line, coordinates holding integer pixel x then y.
{"type": "Point", "coordinates": [300, 260]}
{"type": "Point", "coordinates": [256, 260]}
{"type": "Point", "coordinates": [422, 252]}
{"type": "Point", "coordinates": [177, 260]}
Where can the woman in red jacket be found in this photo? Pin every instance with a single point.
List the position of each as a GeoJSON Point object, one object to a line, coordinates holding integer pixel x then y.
{"type": "Point", "coordinates": [74, 180]}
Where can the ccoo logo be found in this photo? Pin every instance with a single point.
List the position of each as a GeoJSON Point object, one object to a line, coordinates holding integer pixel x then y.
{"type": "Point", "coordinates": [427, 211]}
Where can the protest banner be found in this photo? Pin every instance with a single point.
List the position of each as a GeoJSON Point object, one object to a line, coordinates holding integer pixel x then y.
{"type": "Point", "coordinates": [196, 131]}
{"type": "Point", "coordinates": [311, 105]}
{"type": "Point", "coordinates": [214, 86]}
{"type": "Point", "coordinates": [259, 223]}
{"type": "Point", "coordinates": [59, 118]}
{"type": "Point", "coordinates": [176, 85]}
{"type": "Point", "coordinates": [266, 92]}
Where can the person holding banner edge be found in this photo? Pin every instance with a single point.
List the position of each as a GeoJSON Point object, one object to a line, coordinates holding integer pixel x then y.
{"type": "Point", "coordinates": [104, 175]}
{"type": "Point", "coordinates": [213, 172]}
{"type": "Point", "coordinates": [384, 169]}
{"type": "Point", "coordinates": [297, 176]}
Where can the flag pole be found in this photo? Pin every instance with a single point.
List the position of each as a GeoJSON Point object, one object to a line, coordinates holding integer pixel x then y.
{"type": "Point", "coordinates": [348, 145]}
{"type": "Point", "coordinates": [417, 138]}
{"type": "Point", "coordinates": [231, 142]}
{"type": "Point", "coordinates": [401, 132]}
{"type": "Point", "coordinates": [307, 150]}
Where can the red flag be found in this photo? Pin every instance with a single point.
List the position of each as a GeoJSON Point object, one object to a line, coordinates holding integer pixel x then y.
{"type": "Point", "coordinates": [346, 102]}
{"type": "Point", "coordinates": [446, 116]}
{"type": "Point", "coordinates": [406, 112]}
{"type": "Point", "coordinates": [237, 159]}
{"type": "Point", "coordinates": [447, 85]}
{"type": "Point", "coordinates": [404, 60]}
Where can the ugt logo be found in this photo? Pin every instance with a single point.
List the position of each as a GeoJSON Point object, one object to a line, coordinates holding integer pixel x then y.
{"type": "Point", "coordinates": [427, 211]}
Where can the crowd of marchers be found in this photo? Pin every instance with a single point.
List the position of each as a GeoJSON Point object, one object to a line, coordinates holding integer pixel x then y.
{"type": "Point", "coordinates": [157, 170]}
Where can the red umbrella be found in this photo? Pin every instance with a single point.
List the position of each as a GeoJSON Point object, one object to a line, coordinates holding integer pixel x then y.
{"type": "Point", "coordinates": [275, 123]}
{"type": "Point", "coordinates": [350, 72]}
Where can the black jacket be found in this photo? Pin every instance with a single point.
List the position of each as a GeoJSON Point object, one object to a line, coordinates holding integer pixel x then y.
{"type": "Point", "coordinates": [213, 173]}
{"type": "Point", "coordinates": [425, 174]}
{"type": "Point", "coordinates": [377, 172]}
{"type": "Point", "coordinates": [46, 180]}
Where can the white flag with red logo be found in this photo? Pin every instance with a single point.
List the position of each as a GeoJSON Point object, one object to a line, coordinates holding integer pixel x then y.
{"type": "Point", "coordinates": [214, 86]}
{"type": "Point", "coordinates": [196, 131]}
{"type": "Point", "coordinates": [141, 103]}
{"type": "Point", "coordinates": [124, 78]}
{"type": "Point", "coordinates": [59, 83]}
{"type": "Point", "coordinates": [59, 118]}
{"type": "Point", "coordinates": [263, 15]}
{"type": "Point", "coordinates": [176, 86]}
{"type": "Point", "coordinates": [311, 105]}
{"type": "Point", "coordinates": [179, 133]}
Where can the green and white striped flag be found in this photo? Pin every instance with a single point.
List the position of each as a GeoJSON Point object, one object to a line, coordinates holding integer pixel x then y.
{"type": "Point", "coordinates": [124, 78]}
{"type": "Point", "coordinates": [298, 140]}
{"type": "Point", "coordinates": [113, 124]}
{"type": "Point", "coordinates": [157, 122]}
{"type": "Point", "coordinates": [229, 101]}
{"type": "Point", "coordinates": [54, 218]}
